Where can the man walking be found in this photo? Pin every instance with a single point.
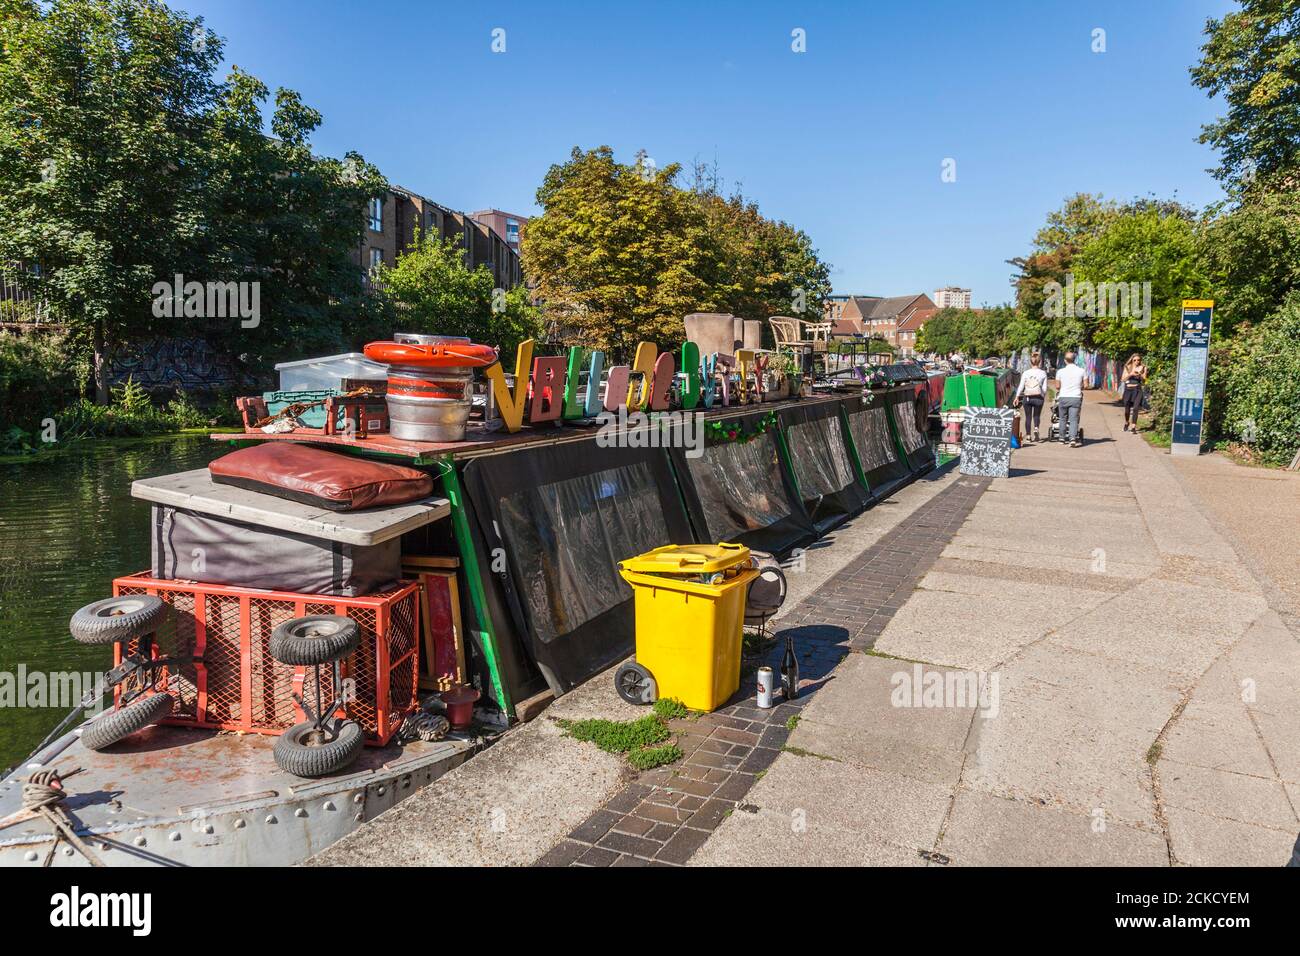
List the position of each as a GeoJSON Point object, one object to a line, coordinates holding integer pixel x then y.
{"type": "Point", "coordinates": [1069, 399]}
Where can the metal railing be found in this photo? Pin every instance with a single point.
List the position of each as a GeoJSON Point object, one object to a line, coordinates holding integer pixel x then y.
{"type": "Point", "coordinates": [20, 305]}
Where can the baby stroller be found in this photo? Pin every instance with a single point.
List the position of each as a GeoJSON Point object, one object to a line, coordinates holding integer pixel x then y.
{"type": "Point", "coordinates": [1054, 428]}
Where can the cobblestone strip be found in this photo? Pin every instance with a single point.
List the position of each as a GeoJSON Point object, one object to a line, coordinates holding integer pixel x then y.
{"type": "Point", "coordinates": [667, 814]}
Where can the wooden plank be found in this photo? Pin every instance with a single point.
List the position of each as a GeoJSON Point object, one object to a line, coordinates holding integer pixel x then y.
{"type": "Point", "coordinates": [526, 710]}
{"type": "Point", "coordinates": [196, 491]}
{"type": "Point", "coordinates": [431, 561]}
{"type": "Point", "coordinates": [443, 664]}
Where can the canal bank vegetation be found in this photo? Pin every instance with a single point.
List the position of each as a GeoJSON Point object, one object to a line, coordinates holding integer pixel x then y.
{"type": "Point", "coordinates": [43, 408]}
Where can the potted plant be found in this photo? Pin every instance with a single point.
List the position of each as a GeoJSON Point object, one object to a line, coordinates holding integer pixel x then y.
{"type": "Point", "coordinates": [783, 373]}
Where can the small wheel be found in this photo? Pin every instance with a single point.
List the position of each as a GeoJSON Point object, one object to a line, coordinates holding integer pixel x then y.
{"type": "Point", "coordinates": [317, 639]}
{"type": "Point", "coordinates": [116, 725]}
{"type": "Point", "coordinates": [635, 684]}
{"type": "Point", "coordinates": [305, 751]}
{"type": "Point", "coordinates": [117, 619]}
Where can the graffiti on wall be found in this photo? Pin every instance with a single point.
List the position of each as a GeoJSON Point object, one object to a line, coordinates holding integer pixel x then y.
{"type": "Point", "coordinates": [190, 364]}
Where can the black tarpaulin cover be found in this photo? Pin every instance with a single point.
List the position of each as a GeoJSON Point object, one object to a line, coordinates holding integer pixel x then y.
{"type": "Point", "coordinates": [822, 465]}
{"type": "Point", "coordinates": [740, 490]}
{"type": "Point", "coordinates": [869, 427]}
{"type": "Point", "coordinates": [902, 405]}
{"type": "Point", "coordinates": [564, 516]}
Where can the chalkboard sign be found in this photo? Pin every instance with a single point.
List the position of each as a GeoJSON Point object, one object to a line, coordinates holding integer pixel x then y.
{"type": "Point", "coordinates": [986, 441]}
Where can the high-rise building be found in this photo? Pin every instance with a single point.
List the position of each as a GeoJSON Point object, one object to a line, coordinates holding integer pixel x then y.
{"type": "Point", "coordinates": [952, 297]}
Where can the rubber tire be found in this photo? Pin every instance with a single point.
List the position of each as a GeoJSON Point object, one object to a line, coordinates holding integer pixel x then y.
{"type": "Point", "coordinates": [642, 690]}
{"type": "Point", "coordinates": [290, 645]}
{"type": "Point", "coordinates": [97, 624]}
{"type": "Point", "coordinates": [116, 725]}
{"type": "Point", "coordinates": [303, 760]}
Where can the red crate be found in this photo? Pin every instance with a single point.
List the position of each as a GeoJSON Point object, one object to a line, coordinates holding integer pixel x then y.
{"type": "Point", "coordinates": [238, 686]}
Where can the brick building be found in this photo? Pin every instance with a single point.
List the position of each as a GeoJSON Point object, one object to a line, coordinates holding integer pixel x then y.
{"type": "Point", "coordinates": [392, 221]}
{"type": "Point", "coordinates": [895, 319]}
{"type": "Point", "coordinates": [506, 224]}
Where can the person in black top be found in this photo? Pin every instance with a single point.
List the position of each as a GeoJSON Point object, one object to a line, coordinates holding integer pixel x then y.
{"type": "Point", "coordinates": [1132, 379]}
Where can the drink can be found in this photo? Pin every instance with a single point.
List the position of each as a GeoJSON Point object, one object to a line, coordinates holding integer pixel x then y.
{"type": "Point", "coordinates": [766, 687]}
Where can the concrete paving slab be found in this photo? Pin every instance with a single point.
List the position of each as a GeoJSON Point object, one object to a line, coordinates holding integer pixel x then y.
{"type": "Point", "coordinates": [967, 549]}
{"type": "Point", "coordinates": [1030, 575]}
{"type": "Point", "coordinates": [886, 807]}
{"type": "Point", "coordinates": [1038, 751]}
{"type": "Point", "coordinates": [988, 830]}
{"type": "Point", "coordinates": [1201, 840]}
{"type": "Point", "coordinates": [1098, 691]}
{"type": "Point", "coordinates": [1166, 625]}
{"type": "Point", "coordinates": [1280, 733]}
{"type": "Point", "coordinates": [1231, 796]}
{"type": "Point", "coordinates": [944, 628]}
{"type": "Point", "coordinates": [1039, 594]}
{"type": "Point", "coordinates": [767, 838]}
{"type": "Point", "coordinates": [1227, 742]}
{"type": "Point", "coordinates": [855, 719]}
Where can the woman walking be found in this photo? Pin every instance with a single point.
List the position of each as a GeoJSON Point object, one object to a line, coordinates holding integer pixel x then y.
{"type": "Point", "coordinates": [1030, 393]}
{"type": "Point", "coordinates": [1134, 378]}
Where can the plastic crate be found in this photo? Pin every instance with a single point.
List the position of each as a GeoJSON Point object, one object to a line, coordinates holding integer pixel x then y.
{"type": "Point", "coordinates": [239, 686]}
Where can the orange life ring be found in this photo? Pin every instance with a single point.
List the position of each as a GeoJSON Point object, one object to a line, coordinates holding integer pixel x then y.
{"type": "Point", "coordinates": [435, 355]}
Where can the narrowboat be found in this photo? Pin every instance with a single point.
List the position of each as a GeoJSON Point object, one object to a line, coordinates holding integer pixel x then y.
{"type": "Point", "coordinates": [508, 593]}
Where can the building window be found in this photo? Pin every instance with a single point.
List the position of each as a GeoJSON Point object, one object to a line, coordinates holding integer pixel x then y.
{"type": "Point", "coordinates": [376, 215]}
{"type": "Point", "coordinates": [512, 231]}
{"type": "Point", "coordinates": [376, 258]}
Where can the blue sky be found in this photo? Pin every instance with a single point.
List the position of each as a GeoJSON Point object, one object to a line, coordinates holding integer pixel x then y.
{"type": "Point", "coordinates": [845, 140]}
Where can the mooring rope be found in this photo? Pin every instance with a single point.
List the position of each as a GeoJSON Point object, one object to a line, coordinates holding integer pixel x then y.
{"type": "Point", "coordinates": [43, 793]}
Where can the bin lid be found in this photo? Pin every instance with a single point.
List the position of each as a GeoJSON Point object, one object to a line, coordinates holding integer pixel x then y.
{"type": "Point", "coordinates": [689, 559]}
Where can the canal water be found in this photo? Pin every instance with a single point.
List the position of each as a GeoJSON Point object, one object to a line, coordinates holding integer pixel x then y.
{"type": "Point", "coordinates": [68, 526]}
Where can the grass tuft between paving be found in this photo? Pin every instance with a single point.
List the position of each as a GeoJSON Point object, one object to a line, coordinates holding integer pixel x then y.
{"type": "Point", "coordinates": [642, 740]}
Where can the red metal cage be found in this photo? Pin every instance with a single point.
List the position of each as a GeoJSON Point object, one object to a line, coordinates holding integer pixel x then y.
{"type": "Point", "coordinates": [238, 686]}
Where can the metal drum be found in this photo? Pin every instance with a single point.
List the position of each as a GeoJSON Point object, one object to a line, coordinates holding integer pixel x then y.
{"type": "Point", "coordinates": [429, 404]}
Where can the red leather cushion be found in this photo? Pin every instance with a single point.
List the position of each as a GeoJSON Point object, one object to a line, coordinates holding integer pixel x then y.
{"type": "Point", "coordinates": [313, 476]}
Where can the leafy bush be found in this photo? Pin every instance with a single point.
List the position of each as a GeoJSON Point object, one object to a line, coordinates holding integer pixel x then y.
{"type": "Point", "coordinates": [1263, 387]}
{"type": "Point", "coordinates": [38, 375]}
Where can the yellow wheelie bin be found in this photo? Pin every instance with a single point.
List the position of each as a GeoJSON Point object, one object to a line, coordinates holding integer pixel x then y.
{"type": "Point", "coordinates": [690, 605]}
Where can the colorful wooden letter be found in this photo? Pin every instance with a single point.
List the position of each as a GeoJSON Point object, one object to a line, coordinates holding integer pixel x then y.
{"type": "Point", "coordinates": [548, 390]}
{"type": "Point", "coordinates": [511, 407]}
{"type": "Point", "coordinates": [691, 376]}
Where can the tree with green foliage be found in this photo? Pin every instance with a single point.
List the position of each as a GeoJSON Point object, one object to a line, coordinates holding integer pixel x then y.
{"type": "Point", "coordinates": [766, 267]}
{"type": "Point", "coordinates": [976, 333]}
{"type": "Point", "coordinates": [430, 290]}
{"type": "Point", "coordinates": [281, 216]}
{"type": "Point", "coordinates": [1081, 217]}
{"type": "Point", "coordinates": [620, 253]}
{"type": "Point", "coordinates": [124, 162]}
{"type": "Point", "coordinates": [1252, 59]}
{"type": "Point", "coordinates": [1147, 244]}
{"type": "Point", "coordinates": [1250, 254]}
{"type": "Point", "coordinates": [101, 143]}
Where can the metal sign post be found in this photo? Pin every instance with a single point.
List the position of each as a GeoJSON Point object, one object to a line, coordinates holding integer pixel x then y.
{"type": "Point", "coordinates": [1193, 362]}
